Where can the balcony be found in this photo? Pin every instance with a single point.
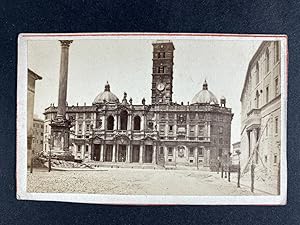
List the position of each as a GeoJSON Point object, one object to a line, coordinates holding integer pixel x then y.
{"type": "Point", "coordinates": [253, 118]}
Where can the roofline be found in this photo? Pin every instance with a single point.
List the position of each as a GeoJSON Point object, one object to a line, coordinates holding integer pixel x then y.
{"type": "Point", "coordinates": [262, 45]}
{"type": "Point", "coordinates": [36, 76]}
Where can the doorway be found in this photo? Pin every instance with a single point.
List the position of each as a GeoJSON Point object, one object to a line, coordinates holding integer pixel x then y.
{"type": "Point", "coordinates": [122, 153]}
{"type": "Point", "coordinates": [108, 153]}
{"type": "Point", "coordinates": [135, 153]}
{"type": "Point", "coordinates": [148, 153]}
{"type": "Point", "coordinates": [97, 152]}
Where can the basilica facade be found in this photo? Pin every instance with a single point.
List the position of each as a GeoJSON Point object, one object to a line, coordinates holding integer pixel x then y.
{"type": "Point", "coordinates": [116, 133]}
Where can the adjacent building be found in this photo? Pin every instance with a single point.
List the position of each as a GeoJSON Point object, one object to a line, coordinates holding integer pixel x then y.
{"type": "Point", "coordinates": [117, 133]}
{"type": "Point", "coordinates": [32, 77]}
{"type": "Point", "coordinates": [38, 135]}
{"type": "Point", "coordinates": [260, 110]}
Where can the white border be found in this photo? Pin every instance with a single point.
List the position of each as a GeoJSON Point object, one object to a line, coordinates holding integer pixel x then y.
{"type": "Point", "coordinates": [21, 165]}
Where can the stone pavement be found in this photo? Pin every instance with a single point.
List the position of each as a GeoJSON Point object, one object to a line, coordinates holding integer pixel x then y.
{"type": "Point", "coordinates": [135, 182]}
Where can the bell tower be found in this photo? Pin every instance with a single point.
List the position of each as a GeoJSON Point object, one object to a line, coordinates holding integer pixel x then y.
{"type": "Point", "coordinates": [162, 72]}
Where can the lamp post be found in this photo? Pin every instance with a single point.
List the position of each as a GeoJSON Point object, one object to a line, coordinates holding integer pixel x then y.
{"type": "Point", "coordinates": [238, 152]}
{"type": "Point", "coordinates": [49, 158]}
{"type": "Point", "coordinates": [32, 154]}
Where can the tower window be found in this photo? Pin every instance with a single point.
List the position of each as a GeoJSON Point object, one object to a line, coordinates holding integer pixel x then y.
{"type": "Point", "coordinates": [161, 55]}
{"type": "Point", "coordinates": [171, 128]}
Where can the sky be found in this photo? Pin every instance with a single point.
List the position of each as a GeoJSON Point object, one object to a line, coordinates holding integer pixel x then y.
{"type": "Point", "coordinates": [127, 65]}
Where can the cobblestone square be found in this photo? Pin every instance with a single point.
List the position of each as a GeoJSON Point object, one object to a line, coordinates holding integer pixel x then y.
{"type": "Point", "coordinates": [134, 182]}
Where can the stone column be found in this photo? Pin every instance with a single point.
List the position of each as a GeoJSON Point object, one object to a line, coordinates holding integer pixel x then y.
{"type": "Point", "coordinates": [208, 130]}
{"type": "Point", "coordinates": [129, 122]}
{"type": "Point", "coordinates": [142, 122]}
{"type": "Point", "coordinates": [63, 79]}
{"type": "Point", "coordinates": [154, 155]}
{"type": "Point", "coordinates": [82, 151]}
{"type": "Point", "coordinates": [115, 122]}
{"type": "Point", "coordinates": [128, 153]}
{"type": "Point", "coordinates": [165, 154]}
{"type": "Point", "coordinates": [141, 153]}
{"type": "Point", "coordinates": [101, 153]}
{"type": "Point", "coordinates": [114, 153]}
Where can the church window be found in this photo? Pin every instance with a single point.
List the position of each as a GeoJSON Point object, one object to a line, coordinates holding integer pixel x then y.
{"type": "Point", "coordinates": [78, 148]}
{"type": "Point", "coordinates": [86, 148]}
{"type": "Point", "coordinates": [170, 127]}
{"type": "Point", "coordinates": [110, 123]}
{"type": "Point", "coordinates": [124, 119]}
{"type": "Point", "coordinates": [137, 123]}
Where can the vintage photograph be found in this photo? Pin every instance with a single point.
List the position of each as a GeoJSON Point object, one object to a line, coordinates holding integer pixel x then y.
{"type": "Point", "coordinates": [129, 118]}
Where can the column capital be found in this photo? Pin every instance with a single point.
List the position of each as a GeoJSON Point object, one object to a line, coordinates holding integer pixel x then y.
{"type": "Point", "coordinates": [65, 43]}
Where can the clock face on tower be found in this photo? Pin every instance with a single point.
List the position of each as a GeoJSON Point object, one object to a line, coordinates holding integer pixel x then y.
{"type": "Point", "coordinates": [160, 86]}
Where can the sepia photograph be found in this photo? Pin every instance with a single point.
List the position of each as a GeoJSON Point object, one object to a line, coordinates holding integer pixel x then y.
{"type": "Point", "coordinates": [150, 118]}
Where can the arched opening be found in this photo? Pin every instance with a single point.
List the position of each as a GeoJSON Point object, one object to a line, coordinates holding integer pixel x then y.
{"type": "Point", "coordinates": [137, 123]}
{"type": "Point", "coordinates": [110, 123]}
{"type": "Point", "coordinates": [257, 100]}
{"type": "Point", "coordinates": [124, 119]}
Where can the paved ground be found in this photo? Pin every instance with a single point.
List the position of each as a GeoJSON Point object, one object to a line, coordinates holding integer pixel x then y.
{"type": "Point", "coordinates": [134, 181]}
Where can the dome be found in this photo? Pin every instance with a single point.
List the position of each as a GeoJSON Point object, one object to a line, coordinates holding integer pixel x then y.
{"type": "Point", "coordinates": [106, 96]}
{"type": "Point", "coordinates": [205, 96]}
